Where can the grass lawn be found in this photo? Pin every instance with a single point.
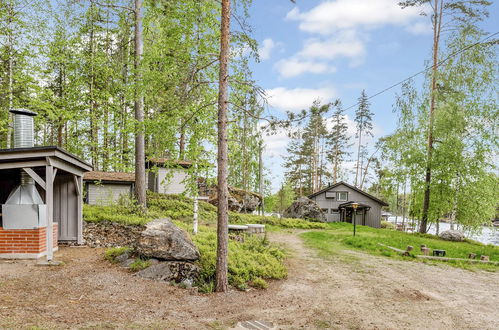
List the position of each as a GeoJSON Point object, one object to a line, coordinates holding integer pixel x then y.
{"type": "Point", "coordinates": [339, 237]}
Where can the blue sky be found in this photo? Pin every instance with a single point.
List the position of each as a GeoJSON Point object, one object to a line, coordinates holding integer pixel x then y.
{"type": "Point", "coordinates": [333, 49]}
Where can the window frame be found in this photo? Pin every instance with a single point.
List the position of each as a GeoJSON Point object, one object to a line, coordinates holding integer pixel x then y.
{"type": "Point", "coordinates": [338, 194]}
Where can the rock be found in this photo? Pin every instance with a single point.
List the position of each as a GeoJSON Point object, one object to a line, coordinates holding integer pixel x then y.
{"type": "Point", "coordinates": [122, 257]}
{"type": "Point", "coordinates": [239, 200]}
{"type": "Point", "coordinates": [126, 263]}
{"type": "Point", "coordinates": [452, 235]}
{"type": "Point", "coordinates": [172, 271]}
{"type": "Point", "coordinates": [305, 208]}
{"type": "Point", "coordinates": [163, 240]}
{"type": "Point", "coordinates": [111, 234]}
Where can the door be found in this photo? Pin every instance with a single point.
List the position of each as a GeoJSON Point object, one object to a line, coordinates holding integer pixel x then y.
{"type": "Point", "coordinates": [66, 207]}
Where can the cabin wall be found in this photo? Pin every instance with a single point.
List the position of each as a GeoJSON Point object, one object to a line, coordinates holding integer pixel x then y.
{"type": "Point", "coordinates": [373, 216]}
{"type": "Point", "coordinates": [171, 181]}
{"type": "Point", "coordinates": [107, 193]}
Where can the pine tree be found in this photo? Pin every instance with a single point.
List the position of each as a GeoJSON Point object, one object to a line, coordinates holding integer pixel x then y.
{"type": "Point", "coordinates": [363, 119]}
{"type": "Point", "coordinates": [338, 141]}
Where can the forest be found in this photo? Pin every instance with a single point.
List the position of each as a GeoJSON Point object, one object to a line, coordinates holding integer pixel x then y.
{"type": "Point", "coordinates": [105, 75]}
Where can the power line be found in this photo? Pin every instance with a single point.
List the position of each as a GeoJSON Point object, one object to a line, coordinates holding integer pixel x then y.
{"type": "Point", "coordinates": [427, 68]}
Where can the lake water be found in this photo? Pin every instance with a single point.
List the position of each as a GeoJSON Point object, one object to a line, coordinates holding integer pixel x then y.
{"type": "Point", "coordinates": [487, 235]}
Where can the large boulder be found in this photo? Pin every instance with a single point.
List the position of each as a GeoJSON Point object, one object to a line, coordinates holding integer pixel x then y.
{"type": "Point", "coordinates": [305, 208]}
{"type": "Point", "coordinates": [239, 200]}
{"type": "Point", "coordinates": [172, 271]}
{"type": "Point", "coordinates": [163, 240]}
{"type": "Point", "coordinates": [452, 235]}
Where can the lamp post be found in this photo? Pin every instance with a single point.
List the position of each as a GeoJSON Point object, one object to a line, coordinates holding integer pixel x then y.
{"type": "Point", "coordinates": [355, 206]}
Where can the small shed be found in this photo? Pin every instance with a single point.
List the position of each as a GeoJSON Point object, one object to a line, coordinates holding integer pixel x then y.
{"type": "Point", "coordinates": [336, 202]}
{"type": "Point", "coordinates": [40, 195]}
{"type": "Point", "coordinates": [167, 176]}
{"type": "Point", "coordinates": [105, 188]}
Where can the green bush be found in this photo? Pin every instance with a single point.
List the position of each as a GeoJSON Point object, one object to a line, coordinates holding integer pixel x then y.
{"type": "Point", "coordinates": [387, 225]}
{"type": "Point", "coordinates": [259, 283]}
{"type": "Point", "coordinates": [112, 253]}
{"type": "Point", "coordinates": [251, 259]}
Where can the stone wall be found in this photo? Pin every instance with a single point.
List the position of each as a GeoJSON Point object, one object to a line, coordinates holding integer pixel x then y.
{"type": "Point", "coordinates": [111, 234]}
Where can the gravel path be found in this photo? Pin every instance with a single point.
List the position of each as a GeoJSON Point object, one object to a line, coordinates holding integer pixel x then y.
{"type": "Point", "coordinates": [357, 292]}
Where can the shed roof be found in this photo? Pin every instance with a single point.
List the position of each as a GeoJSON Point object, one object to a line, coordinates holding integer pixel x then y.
{"type": "Point", "coordinates": [351, 187]}
{"type": "Point", "coordinates": [170, 162]}
{"type": "Point", "coordinates": [15, 155]}
{"type": "Point", "coordinates": [109, 176]}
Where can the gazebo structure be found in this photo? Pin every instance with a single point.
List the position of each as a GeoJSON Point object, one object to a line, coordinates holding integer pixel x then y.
{"type": "Point", "coordinates": [347, 211]}
{"type": "Point", "coordinates": [40, 195]}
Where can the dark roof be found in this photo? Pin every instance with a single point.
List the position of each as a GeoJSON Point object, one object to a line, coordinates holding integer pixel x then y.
{"type": "Point", "coordinates": [351, 187]}
{"type": "Point", "coordinates": [109, 176]}
{"type": "Point", "coordinates": [349, 204]}
{"type": "Point", "coordinates": [170, 162]}
{"type": "Point", "coordinates": [23, 151]}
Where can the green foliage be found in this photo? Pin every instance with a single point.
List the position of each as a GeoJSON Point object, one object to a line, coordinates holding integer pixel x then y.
{"type": "Point", "coordinates": [139, 264]}
{"type": "Point", "coordinates": [251, 259]}
{"type": "Point", "coordinates": [96, 213]}
{"type": "Point", "coordinates": [259, 283]}
{"type": "Point", "coordinates": [112, 253]}
{"type": "Point", "coordinates": [339, 236]}
{"type": "Point", "coordinates": [387, 225]}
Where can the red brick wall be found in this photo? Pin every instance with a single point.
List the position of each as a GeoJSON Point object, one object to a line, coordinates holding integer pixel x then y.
{"type": "Point", "coordinates": [32, 241]}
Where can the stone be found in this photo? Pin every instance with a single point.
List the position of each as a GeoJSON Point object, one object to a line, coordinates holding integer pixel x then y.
{"type": "Point", "coordinates": [172, 271]}
{"type": "Point", "coordinates": [126, 263]}
{"type": "Point", "coordinates": [452, 235]}
{"type": "Point", "coordinates": [122, 257]}
{"type": "Point", "coordinates": [163, 240]}
{"type": "Point", "coordinates": [305, 208]}
{"type": "Point", "coordinates": [484, 258]}
{"type": "Point", "coordinates": [111, 234]}
{"type": "Point", "coordinates": [239, 200]}
{"type": "Point", "coordinates": [472, 256]}
{"type": "Point", "coordinates": [426, 251]}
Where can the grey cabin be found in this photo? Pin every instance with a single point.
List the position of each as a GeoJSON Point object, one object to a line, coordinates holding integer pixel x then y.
{"type": "Point", "coordinates": [336, 202]}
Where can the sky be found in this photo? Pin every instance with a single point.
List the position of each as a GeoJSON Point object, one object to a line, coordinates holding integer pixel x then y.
{"type": "Point", "coordinates": [333, 49]}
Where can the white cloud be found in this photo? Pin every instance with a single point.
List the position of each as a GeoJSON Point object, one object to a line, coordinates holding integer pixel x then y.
{"type": "Point", "coordinates": [331, 16]}
{"type": "Point", "coordinates": [419, 28]}
{"type": "Point", "coordinates": [344, 44]}
{"type": "Point", "coordinates": [296, 66]}
{"type": "Point", "coordinates": [298, 98]}
{"type": "Point", "coordinates": [266, 49]}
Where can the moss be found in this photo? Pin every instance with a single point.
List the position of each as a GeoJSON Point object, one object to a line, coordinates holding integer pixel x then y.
{"type": "Point", "coordinates": [112, 253]}
{"type": "Point", "coordinates": [139, 264]}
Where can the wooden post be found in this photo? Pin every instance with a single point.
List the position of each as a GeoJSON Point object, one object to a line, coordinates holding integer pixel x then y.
{"type": "Point", "coordinates": [195, 224]}
{"type": "Point", "coordinates": [49, 200]}
{"type": "Point", "coordinates": [79, 208]}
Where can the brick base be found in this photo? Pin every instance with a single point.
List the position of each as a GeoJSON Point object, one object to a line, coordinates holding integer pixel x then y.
{"type": "Point", "coordinates": [25, 243]}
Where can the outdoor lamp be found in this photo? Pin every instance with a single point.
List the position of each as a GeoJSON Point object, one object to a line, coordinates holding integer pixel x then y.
{"type": "Point", "coordinates": [354, 206]}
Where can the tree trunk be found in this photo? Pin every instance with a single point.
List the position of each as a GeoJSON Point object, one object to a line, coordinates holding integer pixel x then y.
{"type": "Point", "coordinates": [11, 74]}
{"type": "Point", "coordinates": [222, 189]}
{"type": "Point", "coordinates": [429, 152]}
{"type": "Point", "coordinates": [140, 168]}
{"type": "Point", "coordinates": [358, 159]}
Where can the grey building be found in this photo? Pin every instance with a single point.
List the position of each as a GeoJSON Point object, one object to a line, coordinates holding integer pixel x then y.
{"type": "Point", "coordinates": [167, 176]}
{"type": "Point", "coordinates": [105, 188]}
{"type": "Point", "coordinates": [336, 201]}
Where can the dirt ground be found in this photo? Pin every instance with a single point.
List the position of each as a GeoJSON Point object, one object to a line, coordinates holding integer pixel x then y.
{"type": "Point", "coordinates": [357, 292]}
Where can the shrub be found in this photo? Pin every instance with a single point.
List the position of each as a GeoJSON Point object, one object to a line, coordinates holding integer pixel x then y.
{"type": "Point", "coordinates": [259, 283]}
{"type": "Point", "coordinates": [248, 260]}
{"type": "Point", "coordinates": [387, 225]}
{"type": "Point", "coordinates": [112, 253]}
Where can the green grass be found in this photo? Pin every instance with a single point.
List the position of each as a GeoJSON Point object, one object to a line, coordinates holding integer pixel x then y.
{"type": "Point", "coordinates": [339, 237]}
{"type": "Point", "coordinates": [139, 264]}
{"type": "Point", "coordinates": [180, 208]}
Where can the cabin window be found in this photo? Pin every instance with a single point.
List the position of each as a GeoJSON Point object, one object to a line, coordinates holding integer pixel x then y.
{"type": "Point", "coordinates": [330, 194]}
{"type": "Point", "coordinates": [325, 210]}
{"type": "Point", "coordinates": [342, 196]}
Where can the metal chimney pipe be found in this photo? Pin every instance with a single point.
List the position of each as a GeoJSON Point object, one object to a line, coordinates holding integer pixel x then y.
{"type": "Point", "coordinates": [23, 128]}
